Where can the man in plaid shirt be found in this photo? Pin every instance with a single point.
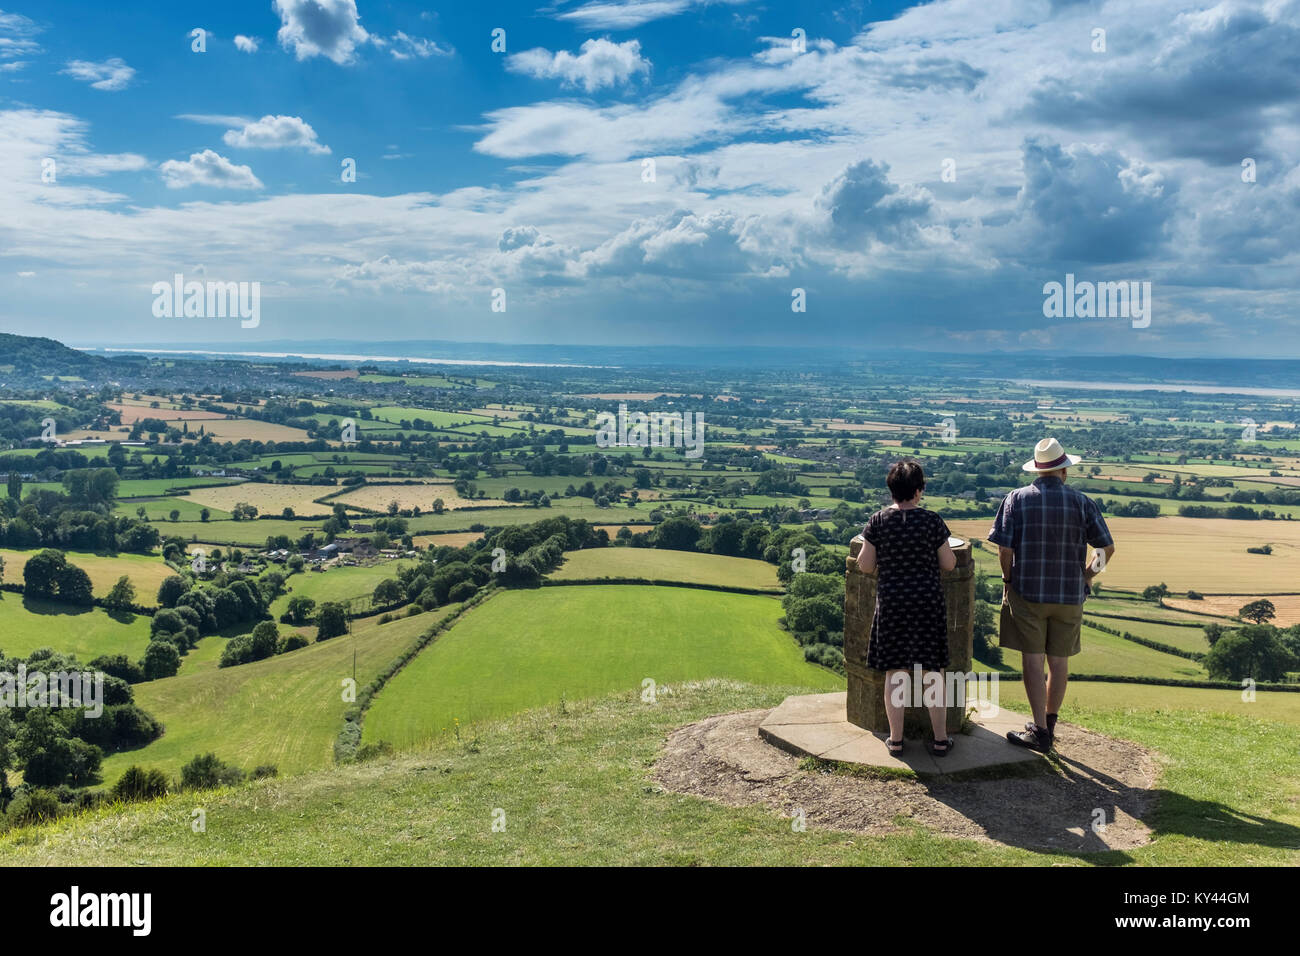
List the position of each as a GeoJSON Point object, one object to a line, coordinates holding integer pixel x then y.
{"type": "Point", "coordinates": [1042, 532]}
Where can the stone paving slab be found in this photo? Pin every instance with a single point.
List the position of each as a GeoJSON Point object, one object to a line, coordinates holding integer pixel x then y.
{"type": "Point", "coordinates": [815, 725]}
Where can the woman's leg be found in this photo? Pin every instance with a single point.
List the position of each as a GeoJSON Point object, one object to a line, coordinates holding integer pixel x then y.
{"type": "Point", "coordinates": [896, 695]}
{"type": "Point", "coordinates": [933, 695]}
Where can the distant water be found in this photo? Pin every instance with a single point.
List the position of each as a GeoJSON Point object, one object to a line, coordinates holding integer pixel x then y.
{"type": "Point", "coordinates": [1154, 387]}
{"type": "Point", "coordinates": [328, 357]}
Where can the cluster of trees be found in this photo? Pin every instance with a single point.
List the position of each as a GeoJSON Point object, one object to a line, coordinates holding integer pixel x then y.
{"type": "Point", "coordinates": [80, 519]}
{"type": "Point", "coordinates": [1258, 651]}
{"type": "Point", "coordinates": [48, 574]}
{"type": "Point", "coordinates": [58, 743]}
{"type": "Point", "coordinates": [187, 612]}
{"type": "Point", "coordinates": [264, 641]}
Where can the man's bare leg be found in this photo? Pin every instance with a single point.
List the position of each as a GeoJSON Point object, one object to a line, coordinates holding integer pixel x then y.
{"type": "Point", "coordinates": [1036, 687]}
{"type": "Point", "coordinates": [1058, 675]}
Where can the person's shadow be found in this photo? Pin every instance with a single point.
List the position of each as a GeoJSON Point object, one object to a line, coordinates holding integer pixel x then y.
{"type": "Point", "coordinates": [1071, 808]}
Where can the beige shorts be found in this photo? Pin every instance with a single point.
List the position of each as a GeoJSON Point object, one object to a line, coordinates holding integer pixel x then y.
{"type": "Point", "coordinates": [1033, 628]}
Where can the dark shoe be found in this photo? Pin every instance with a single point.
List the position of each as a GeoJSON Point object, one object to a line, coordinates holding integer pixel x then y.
{"type": "Point", "coordinates": [1051, 726]}
{"type": "Point", "coordinates": [895, 747]}
{"type": "Point", "coordinates": [1033, 737]}
{"type": "Point", "coordinates": [941, 748]}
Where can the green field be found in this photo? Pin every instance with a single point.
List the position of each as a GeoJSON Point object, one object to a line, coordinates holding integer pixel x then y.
{"type": "Point", "coordinates": [664, 565]}
{"type": "Point", "coordinates": [1183, 638]}
{"type": "Point", "coordinates": [1108, 654]}
{"type": "Point", "coordinates": [335, 584]}
{"type": "Point", "coordinates": [29, 623]}
{"type": "Point", "coordinates": [285, 710]}
{"type": "Point", "coordinates": [522, 649]}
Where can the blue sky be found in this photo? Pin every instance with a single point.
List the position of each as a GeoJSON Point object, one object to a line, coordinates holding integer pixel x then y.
{"type": "Point", "coordinates": [919, 171]}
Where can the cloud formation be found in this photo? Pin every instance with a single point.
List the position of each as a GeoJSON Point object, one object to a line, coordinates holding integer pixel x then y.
{"type": "Point", "coordinates": [112, 74]}
{"type": "Point", "coordinates": [276, 132]}
{"type": "Point", "coordinates": [599, 63]}
{"type": "Point", "coordinates": [328, 28]}
{"type": "Point", "coordinates": [208, 169]}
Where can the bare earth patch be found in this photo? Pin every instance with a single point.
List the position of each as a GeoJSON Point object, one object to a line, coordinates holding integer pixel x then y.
{"type": "Point", "coordinates": [1051, 807]}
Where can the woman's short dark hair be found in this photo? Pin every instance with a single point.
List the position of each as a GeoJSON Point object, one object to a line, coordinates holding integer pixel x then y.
{"type": "Point", "coordinates": [905, 479]}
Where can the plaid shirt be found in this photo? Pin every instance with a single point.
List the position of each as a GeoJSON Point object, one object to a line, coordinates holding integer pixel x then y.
{"type": "Point", "coordinates": [1049, 525]}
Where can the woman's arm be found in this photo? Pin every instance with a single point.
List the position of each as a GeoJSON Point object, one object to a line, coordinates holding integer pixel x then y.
{"type": "Point", "coordinates": [947, 560]}
{"type": "Point", "coordinates": [867, 557]}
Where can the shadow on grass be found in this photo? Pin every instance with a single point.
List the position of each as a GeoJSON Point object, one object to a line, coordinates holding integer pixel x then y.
{"type": "Point", "coordinates": [35, 605]}
{"type": "Point", "coordinates": [1052, 806]}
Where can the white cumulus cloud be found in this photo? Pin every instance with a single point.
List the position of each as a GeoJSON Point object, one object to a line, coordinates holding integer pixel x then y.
{"type": "Point", "coordinates": [208, 169]}
{"type": "Point", "coordinates": [276, 132]}
{"type": "Point", "coordinates": [328, 28]}
{"type": "Point", "coordinates": [599, 63]}
{"type": "Point", "coordinates": [246, 44]}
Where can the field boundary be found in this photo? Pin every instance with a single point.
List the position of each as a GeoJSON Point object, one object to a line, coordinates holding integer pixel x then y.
{"type": "Point", "coordinates": [1160, 681]}
{"type": "Point", "coordinates": [1197, 656]}
{"type": "Point", "coordinates": [655, 582]}
{"type": "Point", "coordinates": [348, 741]}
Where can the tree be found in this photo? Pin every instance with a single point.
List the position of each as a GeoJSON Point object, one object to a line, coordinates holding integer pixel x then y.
{"type": "Point", "coordinates": [331, 621]}
{"type": "Point", "coordinates": [122, 595]}
{"type": "Point", "coordinates": [74, 586]}
{"type": "Point", "coordinates": [207, 771]}
{"type": "Point", "coordinates": [2, 569]}
{"type": "Point", "coordinates": [439, 506]}
{"type": "Point", "coordinates": [161, 659]}
{"type": "Point", "coordinates": [678, 534]}
{"type": "Point", "coordinates": [49, 755]}
{"type": "Point", "coordinates": [1213, 632]}
{"type": "Point", "coordinates": [265, 639]}
{"type": "Point", "coordinates": [205, 514]}
{"type": "Point", "coordinates": [1258, 611]}
{"type": "Point", "coordinates": [1253, 651]}
{"type": "Point", "coordinates": [1156, 592]}
{"type": "Point", "coordinates": [300, 609]}
{"type": "Point", "coordinates": [136, 783]}
{"type": "Point", "coordinates": [388, 591]}
{"type": "Point", "coordinates": [41, 573]}
{"type": "Point", "coordinates": [15, 486]}
{"type": "Point", "coordinates": [171, 589]}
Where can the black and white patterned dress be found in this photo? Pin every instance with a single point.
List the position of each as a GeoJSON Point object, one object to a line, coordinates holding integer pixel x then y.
{"type": "Point", "coordinates": [911, 622]}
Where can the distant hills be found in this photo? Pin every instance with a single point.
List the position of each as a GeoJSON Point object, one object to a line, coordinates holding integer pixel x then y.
{"type": "Point", "coordinates": [44, 356]}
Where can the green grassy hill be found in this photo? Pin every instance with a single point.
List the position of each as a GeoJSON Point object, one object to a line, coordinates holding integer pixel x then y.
{"type": "Point", "coordinates": [525, 649]}
{"type": "Point", "coordinates": [285, 710]}
{"type": "Point", "coordinates": [575, 786]}
{"type": "Point", "coordinates": [663, 565]}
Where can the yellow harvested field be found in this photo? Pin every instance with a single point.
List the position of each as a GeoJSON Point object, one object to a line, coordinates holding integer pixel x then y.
{"type": "Point", "coordinates": [450, 539]}
{"type": "Point", "coordinates": [377, 497]}
{"type": "Point", "coordinates": [266, 498]}
{"type": "Point", "coordinates": [132, 413]}
{"type": "Point", "coordinates": [238, 429]}
{"type": "Point", "coordinates": [1288, 605]}
{"type": "Point", "coordinates": [145, 571]}
{"type": "Point", "coordinates": [1203, 554]}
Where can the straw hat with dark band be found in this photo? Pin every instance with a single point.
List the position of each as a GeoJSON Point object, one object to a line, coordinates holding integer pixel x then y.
{"type": "Point", "coordinates": [1050, 456]}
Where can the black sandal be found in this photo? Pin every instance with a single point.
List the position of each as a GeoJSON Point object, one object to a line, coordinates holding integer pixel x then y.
{"type": "Point", "coordinates": [945, 744]}
{"type": "Point", "coordinates": [895, 747]}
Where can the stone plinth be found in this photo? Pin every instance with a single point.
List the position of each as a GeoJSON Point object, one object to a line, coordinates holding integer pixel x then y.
{"type": "Point", "coordinates": [865, 704]}
{"type": "Point", "coordinates": [813, 725]}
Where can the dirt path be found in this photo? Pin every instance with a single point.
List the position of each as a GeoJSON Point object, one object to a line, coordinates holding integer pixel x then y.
{"type": "Point", "coordinates": [1049, 808]}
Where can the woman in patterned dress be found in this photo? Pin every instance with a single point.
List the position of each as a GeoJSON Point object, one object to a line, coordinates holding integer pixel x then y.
{"type": "Point", "coordinates": [908, 546]}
